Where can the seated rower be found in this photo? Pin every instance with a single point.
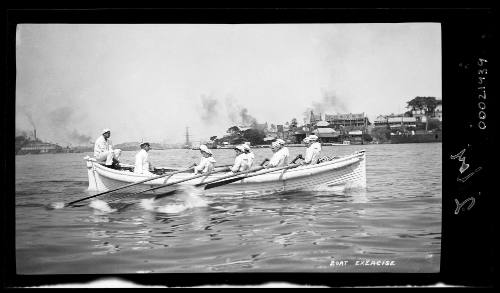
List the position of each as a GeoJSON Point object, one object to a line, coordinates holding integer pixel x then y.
{"type": "Point", "coordinates": [142, 164]}
{"type": "Point", "coordinates": [279, 158]}
{"type": "Point", "coordinates": [207, 161]}
{"type": "Point", "coordinates": [284, 149]}
{"type": "Point", "coordinates": [241, 160]}
{"type": "Point", "coordinates": [250, 155]}
{"type": "Point", "coordinates": [313, 150]}
{"type": "Point", "coordinates": [103, 149]}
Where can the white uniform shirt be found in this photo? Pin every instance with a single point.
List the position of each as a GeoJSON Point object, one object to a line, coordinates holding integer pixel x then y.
{"type": "Point", "coordinates": [205, 165]}
{"type": "Point", "coordinates": [286, 153]}
{"type": "Point", "coordinates": [102, 145]}
{"type": "Point", "coordinates": [251, 159]}
{"type": "Point", "coordinates": [279, 159]}
{"type": "Point", "coordinates": [240, 163]}
{"type": "Point", "coordinates": [312, 153]}
{"type": "Point", "coordinates": [142, 162]}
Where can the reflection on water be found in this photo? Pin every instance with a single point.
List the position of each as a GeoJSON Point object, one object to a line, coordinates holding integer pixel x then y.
{"type": "Point", "coordinates": [397, 217]}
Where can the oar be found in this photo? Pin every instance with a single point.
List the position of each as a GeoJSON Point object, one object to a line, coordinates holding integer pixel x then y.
{"type": "Point", "coordinates": [175, 182]}
{"type": "Point", "coordinates": [179, 181]}
{"type": "Point", "coordinates": [128, 185]}
{"type": "Point", "coordinates": [297, 157]}
{"type": "Point", "coordinates": [203, 183]}
{"type": "Point", "coordinates": [218, 182]}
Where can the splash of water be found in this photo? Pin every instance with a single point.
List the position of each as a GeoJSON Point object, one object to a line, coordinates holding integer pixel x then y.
{"type": "Point", "coordinates": [189, 195]}
{"type": "Point", "coordinates": [148, 204]}
{"type": "Point", "coordinates": [56, 205]}
{"type": "Point", "coordinates": [192, 197]}
{"type": "Point", "coordinates": [101, 206]}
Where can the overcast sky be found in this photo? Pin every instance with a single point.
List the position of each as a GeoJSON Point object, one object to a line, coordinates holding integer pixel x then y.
{"type": "Point", "coordinates": [152, 81]}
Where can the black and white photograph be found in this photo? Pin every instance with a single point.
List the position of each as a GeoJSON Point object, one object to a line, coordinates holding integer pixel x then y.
{"type": "Point", "coordinates": [206, 148]}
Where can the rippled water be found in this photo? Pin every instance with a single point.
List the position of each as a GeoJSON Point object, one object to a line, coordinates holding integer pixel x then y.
{"type": "Point", "coordinates": [396, 221]}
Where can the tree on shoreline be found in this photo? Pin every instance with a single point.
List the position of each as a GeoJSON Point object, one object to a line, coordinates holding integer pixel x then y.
{"type": "Point", "coordinates": [426, 104]}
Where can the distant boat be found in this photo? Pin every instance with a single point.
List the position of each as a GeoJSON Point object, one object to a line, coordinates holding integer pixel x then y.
{"type": "Point", "coordinates": [344, 143]}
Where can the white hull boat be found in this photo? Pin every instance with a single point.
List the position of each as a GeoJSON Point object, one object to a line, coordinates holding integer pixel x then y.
{"type": "Point", "coordinates": [339, 173]}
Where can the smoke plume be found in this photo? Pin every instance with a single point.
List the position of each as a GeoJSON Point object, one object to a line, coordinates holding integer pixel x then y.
{"type": "Point", "coordinates": [212, 111]}
{"type": "Point", "coordinates": [329, 104]}
{"type": "Point", "coordinates": [77, 137]}
{"type": "Point", "coordinates": [61, 119]}
{"type": "Point", "coordinates": [247, 119]}
{"type": "Point", "coordinates": [28, 115]}
{"type": "Point", "coordinates": [209, 111]}
{"type": "Point", "coordinates": [238, 114]}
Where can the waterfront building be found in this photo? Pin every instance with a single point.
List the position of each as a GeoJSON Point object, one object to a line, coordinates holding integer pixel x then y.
{"type": "Point", "coordinates": [356, 137]}
{"type": "Point", "coordinates": [356, 121]}
{"type": "Point", "coordinates": [381, 121]}
{"type": "Point", "coordinates": [40, 148]}
{"type": "Point", "coordinates": [438, 112]}
{"type": "Point", "coordinates": [327, 134]}
{"type": "Point", "coordinates": [299, 134]}
{"type": "Point", "coordinates": [402, 122]}
{"type": "Point", "coordinates": [419, 116]}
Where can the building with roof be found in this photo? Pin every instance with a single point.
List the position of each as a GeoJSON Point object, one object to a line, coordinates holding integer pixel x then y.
{"type": "Point", "coordinates": [381, 121]}
{"type": "Point", "coordinates": [326, 134]}
{"type": "Point", "coordinates": [438, 112]}
{"type": "Point", "coordinates": [40, 148]}
{"type": "Point", "coordinates": [314, 118]}
{"type": "Point", "coordinates": [400, 122]}
{"type": "Point", "coordinates": [351, 121]}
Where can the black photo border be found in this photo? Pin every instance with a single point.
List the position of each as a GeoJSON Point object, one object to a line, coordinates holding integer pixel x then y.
{"type": "Point", "coordinates": [467, 215]}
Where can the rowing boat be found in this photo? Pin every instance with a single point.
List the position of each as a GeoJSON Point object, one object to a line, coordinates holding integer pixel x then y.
{"type": "Point", "coordinates": [338, 173]}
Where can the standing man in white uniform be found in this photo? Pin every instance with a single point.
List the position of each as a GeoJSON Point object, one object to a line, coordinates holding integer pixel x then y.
{"type": "Point", "coordinates": [103, 149]}
{"type": "Point", "coordinates": [142, 164]}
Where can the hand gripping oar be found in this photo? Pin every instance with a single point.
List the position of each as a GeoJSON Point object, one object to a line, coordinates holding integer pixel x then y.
{"type": "Point", "coordinates": [128, 185]}
{"type": "Point", "coordinates": [217, 182]}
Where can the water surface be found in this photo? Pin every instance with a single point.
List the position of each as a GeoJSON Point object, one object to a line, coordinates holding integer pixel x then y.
{"type": "Point", "coordinates": [397, 219]}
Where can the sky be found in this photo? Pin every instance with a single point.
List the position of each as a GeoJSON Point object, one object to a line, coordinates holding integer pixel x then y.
{"type": "Point", "coordinates": [151, 81]}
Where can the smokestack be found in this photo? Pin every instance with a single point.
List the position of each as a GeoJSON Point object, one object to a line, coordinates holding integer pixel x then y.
{"type": "Point", "coordinates": [34, 133]}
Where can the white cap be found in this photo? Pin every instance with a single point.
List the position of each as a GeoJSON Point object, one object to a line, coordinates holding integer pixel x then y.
{"type": "Point", "coordinates": [240, 148]}
{"type": "Point", "coordinates": [246, 147]}
{"type": "Point", "coordinates": [313, 137]}
{"type": "Point", "coordinates": [205, 149]}
{"type": "Point", "coordinates": [105, 130]}
{"type": "Point", "coordinates": [280, 141]}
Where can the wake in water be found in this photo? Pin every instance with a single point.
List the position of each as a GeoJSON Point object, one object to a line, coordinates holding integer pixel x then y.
{"type": "Point", "coordinates": [189, 196]}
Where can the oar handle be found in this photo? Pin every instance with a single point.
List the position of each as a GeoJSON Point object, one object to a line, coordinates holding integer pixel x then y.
{"type": "Point", "coordinates": [296, 158]}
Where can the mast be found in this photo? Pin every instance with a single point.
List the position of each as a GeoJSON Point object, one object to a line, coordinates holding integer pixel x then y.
{"type": "Point", "coordinates": [187, 137]}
